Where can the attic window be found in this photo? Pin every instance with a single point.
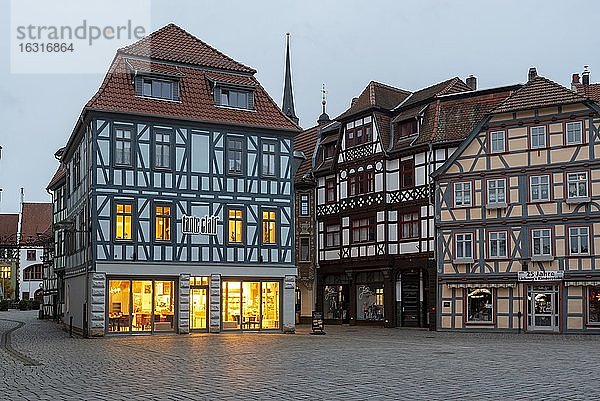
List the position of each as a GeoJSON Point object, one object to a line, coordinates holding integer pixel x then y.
{"type": "Point", "coordinates": [157, 88]}
{"type": "Point", "coordinates": [407, 128]}
{"type": "Point", "coordinates": [237, 98]}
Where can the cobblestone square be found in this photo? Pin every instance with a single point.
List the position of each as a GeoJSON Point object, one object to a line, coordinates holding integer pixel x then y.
{"type": "Point", "coordinates": [39, 361]}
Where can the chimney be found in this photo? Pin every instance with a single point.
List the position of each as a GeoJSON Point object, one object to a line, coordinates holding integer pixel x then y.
{"type": "Point", "coordinates": [574, 82]}
{"type": "Point", "coordinates": [532, 74]}
{"type": "Point", "coordinates": [354, 100]}
{"type": "Point", "coordinates": [585, 76]}
{"type": "Point", "coordinates": [472, 82]}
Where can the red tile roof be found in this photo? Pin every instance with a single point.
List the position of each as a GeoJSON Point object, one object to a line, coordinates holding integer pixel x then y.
{"type": "Point", "coordinates": [375, 95]}
{"type": "Point", "coordinates": [9, 226]}
{"type": "Point", "coordinates": [36, 223]}
{"type": "Point", "coordinates": [538, 92]}
{"type": "Point", "coordinates": [172, 43]}
{"type": "Point", "coordinates": [452, 85]}
{"type": "Point", "coordinates": [59, 174]}
{"type": "Point", "coordinates": [199, 66]}
{"type": "Point", "coordinates": [592, 91]}
{"type": "Point", "coordinates": [305, 142]}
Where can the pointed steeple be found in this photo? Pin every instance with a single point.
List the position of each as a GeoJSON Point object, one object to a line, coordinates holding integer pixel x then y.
{"type": "Point", "coordinates": [323, 118]}
{"type": "Point", "coordinates": [288, 94]}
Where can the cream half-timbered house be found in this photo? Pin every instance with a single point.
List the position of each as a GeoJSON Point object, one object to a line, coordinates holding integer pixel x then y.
{"type": "Point", "coordinates": [518, 217]}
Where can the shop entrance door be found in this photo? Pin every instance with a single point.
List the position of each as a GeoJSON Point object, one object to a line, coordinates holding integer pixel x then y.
{"type": "Point", "coordinates": [542, 308]}
{"type": "Point", "coordinates": [199, 309]}
{"type": "Point", "coordinates": [410, 299]}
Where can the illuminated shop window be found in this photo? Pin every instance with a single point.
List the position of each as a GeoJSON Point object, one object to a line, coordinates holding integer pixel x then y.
{"type": "Point", "coordinates": [123, 221]}
{"type": "Point", "coordinates": [369, 302]}
{"type": "Point", "coordinates": [594, 304]}
{"type": "Point", "coordinates": [480, 307]}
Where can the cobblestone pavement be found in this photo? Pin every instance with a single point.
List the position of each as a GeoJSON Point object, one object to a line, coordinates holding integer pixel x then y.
{"type": "Point", "coordinates": [350, 363]}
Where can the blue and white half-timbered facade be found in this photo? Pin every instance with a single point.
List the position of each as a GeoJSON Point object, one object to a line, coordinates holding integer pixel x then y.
{"type": "Point", "coordinates": [179, 197]}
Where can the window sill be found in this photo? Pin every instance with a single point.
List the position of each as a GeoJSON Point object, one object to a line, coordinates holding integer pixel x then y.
{"type": "Point", "coordinates": [542, 258]}
{"type": "Point", "coordinates": [578, 200]}
{"type": "Point", "coordinates": [498, 205]}
{"type": "Point", "coordinates": [463, 261]}
{"type": "Point", "coordinates": [159, 98]}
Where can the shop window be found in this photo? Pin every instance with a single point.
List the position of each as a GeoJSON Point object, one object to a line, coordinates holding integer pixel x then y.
{"type": "Point", "coordinates": [574, 133]}
{"type": "Point", "coordinates": [369, 302]}
{"type": "Point", "coordinates": [232, 305]}
{"type": "Point", "coordinates": [142, 305]}
{"type": "Point", "coordinates": [198, 308]}
{"type": "Point", "coordinates": [363, 229]}
{"type": "Point", "coordinates": [537, 137]}
{"type": "Point", "coordinates": [31, 254]}
{"type": "Point", "coordinates": [252, 305]}
{"type": "Point", "coordinates": [123, 221]}
{"type": "Point", "coordinates": [122, 147]}
{"type": "Point", "coordinates": [269, 227]}
{"type": "Point", "coordinates": [270, 306]}
{"type": "Point", "coordinates": [330, 190]}
{"type": "Point", "coordinates": [579, 240]}
{"type": "Point", "coordinates": [594, 305]}
{"type": "Point", "coordinates": [162, 150]}
{"type": "Point", "coordinates": [462, 194]}
{"type": "Point", "coordinates": [235, 226]}
{"type": "Point", "coordinates": [539, 188]}
{"type": "Point", "coordinates": [332, 235]}
{"type": "Point", "coordinates": [304, 249]}
{"type": "Point", "coordinates": [234, 155]}
{"type": "Point", "coordinates": [119, 315]}
{"type": "Point", "coordinates": [162, 223]}
{"type": "Point", "coordinates": [334, 302]}
{"type": "Point", "coordinates": [497, 141]}
{"type": "Point", "coordinates": [304, 205]}
{"type": "Point", "coordinates": [577, 185]}
{"type": "Point", "coordinates": [480, 307]}
{"type": "Point", "coordinates": [164, 306]}
{"type": "Point", "coordinates": [361, 182]}
{"type": "Point", "coordinates": [407, 174]}
{"type": "Point", "coordinates": [409, 225]}
{"type": "Point", "coordinates": [251, 317]}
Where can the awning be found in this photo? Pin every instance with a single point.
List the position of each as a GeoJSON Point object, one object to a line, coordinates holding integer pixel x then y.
{"type": "Point", "coordinates": [481, 285]}
{"type": "Point", "coordinates": [582, 283]}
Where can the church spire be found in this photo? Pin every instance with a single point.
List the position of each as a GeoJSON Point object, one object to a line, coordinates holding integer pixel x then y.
{"type": "Point", "coordinates": [288, 95]}
{"type": "Point", "coordinates": [323, 118]}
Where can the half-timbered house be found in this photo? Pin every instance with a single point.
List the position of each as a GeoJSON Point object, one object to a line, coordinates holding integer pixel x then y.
{"type": "Point", "coordinates": [178, 202]}
{"type": "Point", "coordinates": [517, 217]}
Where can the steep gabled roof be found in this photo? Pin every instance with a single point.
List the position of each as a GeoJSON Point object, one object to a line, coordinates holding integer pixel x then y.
{"type": "Point", "coordinates": [172, 43]}
{"type": "Point", "coordinates": [592, 91]}
{"type": "Point", "coordinates": [452, 85]}
{"type": "Point", "coordinates": [9, 226]}
{"type": "Point", "coordinates": [59, 174]}
{"type": "Point", "coordinates": [375, 95]}
{"type": "Point", "coordinates": [538, 92]}
{"type": "Point", "coordinates": [305, 142]}
{"type": "Point", "coordinates": [36, 222]}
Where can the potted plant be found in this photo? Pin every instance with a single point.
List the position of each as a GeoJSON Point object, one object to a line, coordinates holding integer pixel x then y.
{"type": "Point", "coordinates": [4, 305]}
{"type": "Point", "coordinates": [23, 304]}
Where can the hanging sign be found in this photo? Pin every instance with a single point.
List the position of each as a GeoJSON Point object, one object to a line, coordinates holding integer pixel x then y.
{"type": "Point", "coordinates": [206, 225]}
{"type": "Point", "coordinates": [542, 276]}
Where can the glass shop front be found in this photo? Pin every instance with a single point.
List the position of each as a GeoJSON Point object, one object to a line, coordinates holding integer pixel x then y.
{"type": "Point", "coordinates": [252, 305]}
{"type": "Point", "coordinates": [141, 305]}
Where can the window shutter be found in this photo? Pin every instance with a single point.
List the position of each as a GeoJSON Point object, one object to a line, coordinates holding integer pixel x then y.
{"type": "Point", "coordinates": [251, 100]}
{"type": "Point", "coordinates": [138, 85]}
{"type": "Point", "coordinates": [217, 95]}
{"type": "Point", "coordinates": [176, 90]}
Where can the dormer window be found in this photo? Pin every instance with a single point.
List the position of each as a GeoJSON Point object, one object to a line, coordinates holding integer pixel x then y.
{"type": "Point", "coordinates": [237, 98]}
{"type": "Point", "coordinates": [407, 128]}
{"type": "Point", "coordinates": [328, 151]}
{"type": "Point", "coordinates": [157, 88]}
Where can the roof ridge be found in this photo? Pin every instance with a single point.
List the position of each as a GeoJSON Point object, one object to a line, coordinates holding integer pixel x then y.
{"type": "Point", "coordinates": [390, 87]}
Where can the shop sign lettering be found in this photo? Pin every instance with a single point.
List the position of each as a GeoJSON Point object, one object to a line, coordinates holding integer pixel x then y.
{"type": "Point", "coordinates": [542, 276]}
{"type": "Point", "coordinates": [206, 225]}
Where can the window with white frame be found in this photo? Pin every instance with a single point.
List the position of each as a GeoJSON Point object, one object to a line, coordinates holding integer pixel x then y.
{"type": "Point", "coordinates": [537, 137]}
{"type": "Point", "coordinates": [332, 235]}
{"type": "Point", "coordinates": [304, 205]}
{"type": "Point", "coordinates": [574, 133]}
{"type": "Point", "coordinates": [498, 248]}
{"type": "Point", "coordinates": [464, 245]}
{"type": "Point", "coordinates": [579, 240]}
{"type": "Point", "coordinates": [462, 194]}
{"type": "Point", "coordinates": [577, 185]}
{"type": "Point", "coordinates": [539, 188]}
{"type": "Point", "coordinates": [541, 241]}
{"type": "Point", "coordinates": [498, 141]}
{"type": "Point", "coordinates": [496, 191]}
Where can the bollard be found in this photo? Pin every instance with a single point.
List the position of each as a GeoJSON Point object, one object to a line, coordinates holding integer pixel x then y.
{"type": "Point", "coordinates": [71, 326]}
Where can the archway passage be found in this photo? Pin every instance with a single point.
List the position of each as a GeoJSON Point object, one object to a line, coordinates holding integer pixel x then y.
{"type": "Point", "coordinates": [38, 295]}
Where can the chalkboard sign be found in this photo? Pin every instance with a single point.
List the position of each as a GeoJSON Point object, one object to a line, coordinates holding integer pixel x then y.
{"type": "Point", "coordinates": [317, 323]}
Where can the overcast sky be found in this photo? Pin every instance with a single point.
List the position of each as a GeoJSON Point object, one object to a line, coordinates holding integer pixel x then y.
{"type": "Point", "coordinates": [342, 43]}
